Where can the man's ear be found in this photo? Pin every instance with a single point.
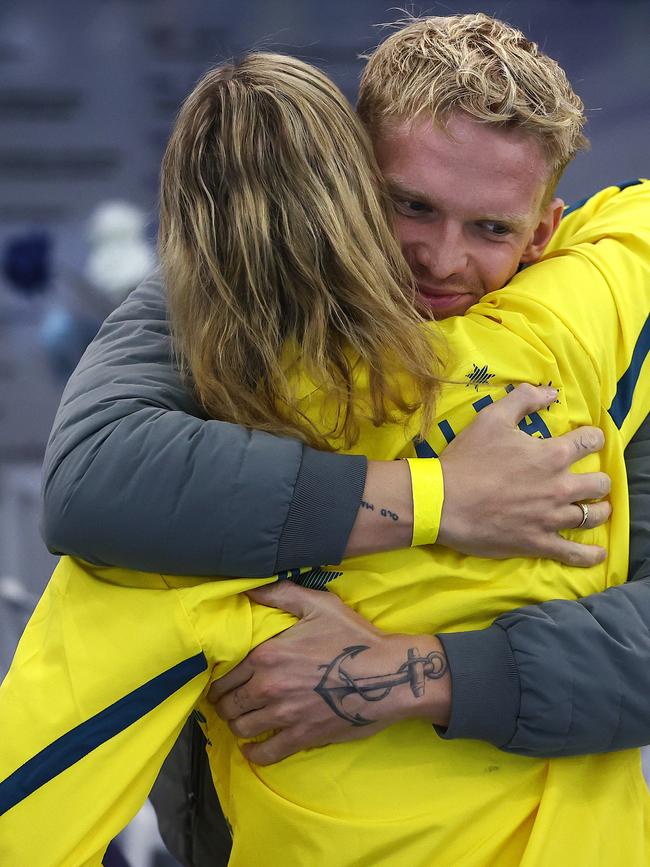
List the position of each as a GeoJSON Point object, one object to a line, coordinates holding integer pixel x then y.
{"type": "Point", "coordinates": [548, 223]}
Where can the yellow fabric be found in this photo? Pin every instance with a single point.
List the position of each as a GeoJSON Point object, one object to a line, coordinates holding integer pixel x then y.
{"type": "Point", "coordinates": [428, 496]}
{"type": "Point", "coordinates": [403, 796]}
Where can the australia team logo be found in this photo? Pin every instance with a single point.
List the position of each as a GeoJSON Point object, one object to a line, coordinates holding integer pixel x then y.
{"type": "Point", "coordinates": [478, 376]}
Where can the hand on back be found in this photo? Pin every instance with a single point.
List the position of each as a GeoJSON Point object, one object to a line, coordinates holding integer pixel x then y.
{"type": "Point", "coordinates": [514, 502]}
{"type": "Point", "coordinates": [331, 677]}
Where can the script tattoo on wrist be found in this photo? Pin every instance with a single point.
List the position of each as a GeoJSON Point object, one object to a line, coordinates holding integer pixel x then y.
{"type": "Point", "coordinates": [336, 684]}
{"type": "Point", "coordinates": [385, 513]}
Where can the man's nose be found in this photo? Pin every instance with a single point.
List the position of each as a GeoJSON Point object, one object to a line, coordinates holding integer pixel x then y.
{"type": "Point", "coordinates": [441, 253]}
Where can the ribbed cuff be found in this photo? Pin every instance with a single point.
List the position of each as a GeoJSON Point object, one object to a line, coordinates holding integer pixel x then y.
{"type": "Point", "coordinates": [325, 503]}
{"type": "Point", "coordinates": [485, 690]}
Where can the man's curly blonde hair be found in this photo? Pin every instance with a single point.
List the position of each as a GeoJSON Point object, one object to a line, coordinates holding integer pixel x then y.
{"type": "Point", "coordinates": [482, 67]}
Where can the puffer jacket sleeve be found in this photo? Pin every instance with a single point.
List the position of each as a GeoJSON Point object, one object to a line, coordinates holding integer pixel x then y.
{"type": "Point", "coordinates": [136, 476]}
{"type": "Point", "coordinates": [565, 678]}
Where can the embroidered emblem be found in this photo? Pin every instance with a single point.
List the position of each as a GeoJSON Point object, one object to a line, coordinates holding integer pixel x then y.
{"type": "Point", "coordinates": [478, 376]}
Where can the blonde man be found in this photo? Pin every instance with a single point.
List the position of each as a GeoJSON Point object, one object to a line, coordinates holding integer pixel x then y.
{"type": "Point", "coordinates": [473, 126]}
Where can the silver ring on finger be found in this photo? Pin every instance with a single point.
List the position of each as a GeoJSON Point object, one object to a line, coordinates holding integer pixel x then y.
{"type": "Point", "coordinates": [585, 515]}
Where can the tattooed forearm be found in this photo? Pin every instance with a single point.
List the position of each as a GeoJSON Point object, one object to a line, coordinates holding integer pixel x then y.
{"type": "Point", "coordinates": [336, 684]}
{"type": "Point", "coordinates": [385, 513]}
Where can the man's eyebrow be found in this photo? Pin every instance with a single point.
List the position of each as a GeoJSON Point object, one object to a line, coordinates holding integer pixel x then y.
{"type": "Point", "coordinates": [396, 187]}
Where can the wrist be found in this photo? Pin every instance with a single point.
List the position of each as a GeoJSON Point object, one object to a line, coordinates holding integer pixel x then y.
{"type": "Point", "coordinates": [453, 530]}
{"type": "Point", "coordinates": [427, 693]}
{"type": "Point", "coordinates": [385, 518]}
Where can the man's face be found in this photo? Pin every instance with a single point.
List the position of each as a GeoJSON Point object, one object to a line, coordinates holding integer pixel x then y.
{"type": "Point", "coordinates": [468, 201]}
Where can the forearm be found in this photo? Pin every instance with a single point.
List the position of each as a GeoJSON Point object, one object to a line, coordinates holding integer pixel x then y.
{"type": "Point", "coordinates": [159, 520]}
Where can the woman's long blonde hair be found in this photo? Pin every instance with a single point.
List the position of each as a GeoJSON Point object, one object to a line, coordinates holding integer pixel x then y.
{"type": "Point", "coordinates": [274, 233]}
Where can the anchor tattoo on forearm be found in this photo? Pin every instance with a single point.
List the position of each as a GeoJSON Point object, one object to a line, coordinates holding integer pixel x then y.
{"type": "Point", "coordinates": [336, 684]}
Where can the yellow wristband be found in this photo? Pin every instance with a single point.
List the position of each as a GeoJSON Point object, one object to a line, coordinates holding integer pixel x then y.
{"type": "Point", "coordinates": [428, 496]}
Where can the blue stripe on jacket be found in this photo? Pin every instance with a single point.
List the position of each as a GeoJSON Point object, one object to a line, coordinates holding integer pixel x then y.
{"type": "Point", "coordinates": [627, 383]}
{"type": "Point", "coordinates": [575, 206]}
{"type": "Point", "coordinates": [87, 736]}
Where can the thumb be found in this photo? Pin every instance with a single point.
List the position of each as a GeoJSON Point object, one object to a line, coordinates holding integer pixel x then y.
{"type": "Point", "coordinates": [287, 596]}
{"type": "Point", "coordinates": [520, 402]}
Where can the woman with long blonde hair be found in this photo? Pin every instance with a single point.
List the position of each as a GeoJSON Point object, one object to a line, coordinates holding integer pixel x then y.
{"type": "Point", "coordinates": [273, 259]}
{"type": "Point", "coordinates": [292, 311]}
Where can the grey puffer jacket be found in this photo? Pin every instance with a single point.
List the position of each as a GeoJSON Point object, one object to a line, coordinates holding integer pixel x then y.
{"type": "Point", "coordinates": [135, 476]}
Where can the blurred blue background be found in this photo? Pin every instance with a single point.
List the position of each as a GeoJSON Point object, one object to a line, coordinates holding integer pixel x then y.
{"type": "Point", "coordinates": [88, 92]}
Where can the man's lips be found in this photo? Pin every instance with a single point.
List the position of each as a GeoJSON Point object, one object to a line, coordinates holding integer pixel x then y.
{"type": "Point", "coordinates": [436, 299]}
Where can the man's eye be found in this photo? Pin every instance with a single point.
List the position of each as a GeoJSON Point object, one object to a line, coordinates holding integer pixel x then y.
{"type": "Point", "coordinates": [496, 228]}
{"type": "Point", "coordinates": [410, 206]}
